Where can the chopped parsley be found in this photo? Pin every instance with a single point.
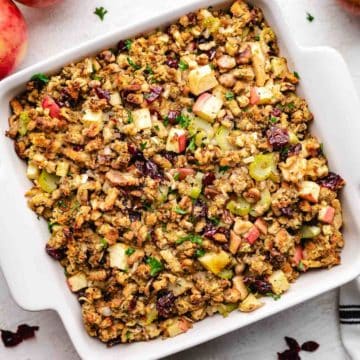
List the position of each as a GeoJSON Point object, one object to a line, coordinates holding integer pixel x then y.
{"type": "Point", "coordinates": [128, 44]}
{"type": "Point", "coordinates": [176, 176]}
{"type": "Point", "coordinates": [40, 78]}
{"type": "Point", "coordinates": [129, 251]}
{"type": "Point", "coordinates": [166, 121]}
{"type": "Point", "coordinates": [296, 74]}
{"type": "Point", "coordinates": [229, 95]}
{"type": "Point", "coordinates": [309, 17]}
{"type": "Point", "coordinates": [149, 70]}
{"type": "Point", "coordinates": [257, 37]}
{"type": "Point", "coordinates": [132, 64]}
{"type": "Point", "coordinates": [51, 225]}
{"type": "Point", "coordinates": [183, 65]}
{"type": "Point", "coordinates": [321, 150]}
{"type": "Point", "coordinates": [195, 239]}
{"type": "Point", "coordinates": [180, 211]}
{"type": "Point", "coordinates": [192, 145]}
{"type": "Point", "coordinates": [273, 119]}
{"type": "Point", "coordinates": [274, 296]}
{"type": "Point", "coordinates": [183, 121]}
{"type": "Point", "coordinates": [130, 117]}
{"type": "Point", "coordinates": [199, 253]}
{"type": "Point", "coordinates": [224, 168]}
{"type": "Point", "coordinates": [155, 265]}
{"type": "Point", "coordinates": [301, 266]}
{"type": "Point", "coordinates": [100, 12]}
{"type": "Point", "coordinates": [143, 145]}
{"type": "Point", "coordinates": [215, 220]}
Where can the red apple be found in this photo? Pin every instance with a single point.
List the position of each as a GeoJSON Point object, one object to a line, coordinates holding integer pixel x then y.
{"type": "Point", "coordinates": [13, 37]}
{"type": "Point", "coordinates": [254, 97]}
{"type": "Point", "coordinates": [252, 235]}
{"type": "Point", "coordinates": [261, 225]}
{"type": "Point", "coordinates": [49, 103]}
{"type": "Point", "coordinates": [298, 256]}
{"type": "Point", "coordinates": [184, 172]}
{"type": "Point", "coordinates": [39, 3]}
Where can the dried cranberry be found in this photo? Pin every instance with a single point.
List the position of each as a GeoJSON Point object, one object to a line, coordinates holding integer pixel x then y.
{"type": "Point", "coordinates": [10, 339]}
{"type": "Point", "coordinates": [278, 137]}
{"type": "Point", "coordinates": [192, 18]}
{"type": "Point", "coordinates": [276, 260]}
{"type": "Point", "coordinates": [122, 45]}
{"type": "Point", "coordinates": [114, 342]}
{"type": "Point", "coordinates": [170, 156]}
{"type": "Point", "coordinates": [288, 355]}
{"type": "Point", "coordinates": [257, 285]}
{"type": "Point", "coordinates": [78, 147]}
{"type": "Point", "coordinates": [102, 94]}
{"type": "Point", "coordinates": [295, 149]}
{"type": "Point", "coordinates": [200, 209]}
{"type": "Point", "coordinates": [310, 346]}
{"type": "Point", "coordinates": [292, 343]}
{"type": "Point", "coordinates": [134, 215]}
{"type": "Point", "coordinates": [332, 181]}
{"type": "Point", "coordinates": [223, 230]}
{"type": "Point", "coordinates": [154, 93]}
{"type": "Point", "coordinates": [165, 304]}
{"type": "Point", "coordinates": [276, 112]}
{"type": "Point", "coordinates": [172, 116]}
{"type": "Point", "coordinates": [26, 331]}
{"type": "Point", "coordinates": [57, 254]}
{"type": "Point", "coordinates": [208, 179]}
{"type": "Point", "coordinates": [209, 230]}
{"type": "Point", "coordinates": [172, 62]}
{"type": "Point", "coordinates": [23, 332]}
{"type": "Point", "coordinates": [132, 304]}
{"type": "Point", "coordinates": [203, 40]}
{"type": "Point", "coordinates": [287, 211]}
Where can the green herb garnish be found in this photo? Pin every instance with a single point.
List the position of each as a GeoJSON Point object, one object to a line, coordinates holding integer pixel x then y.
{"type": "Point", "coordinates": [100, 12]}
{"type": "Point", "coordinates": [155, 265]}
{"type": "Point", "coordinates": [166, 121]}
{"type": "Point", "coordinates": [273, 119]}
{"type": "Point", "coordinates": [40, 78]}
{"type": "Point", "coordinates": [130, 117]}
{"type": "Point", "coordinates": [129, 251]}
{"type": "Point", "coordinates": [296, 74]}
{"type": "Point", "coordinates": [51, 225]}
{"type": "Point", "coordinates": [322, 149]}
{"type": "Point", "coordinates": [192, 145]}
{"type": "Point", "coordinates": [128, 44]}
{"type": "Point", "coordinates": [180, 211]}
{"type": "Point", "coordinates": [103, 243]}
{"type": "Point", "coordinates": [215, 221]}
{"type": "Point", "coordinates": [224, 168]}
{"type": "Point", "coordinates": [183, 65]}
{"type": "Point", "coordinates": [229, 95]}
{"type": "Point", "coordinates": [143, 145]}
{"type": "Point", "coordinates": [195, 239]}
{"type": "Point", "coordinates": [183, 121]}
{"type": "Point", "coordinates": [301, 266]}
{"type": "Point", "coordinates": [149, 70]}
{"type": "Point", "coordinates": [257, 37]}
{"type": "Point", "coordinates": [274, 296]}
{"type": "Point", "coordinates": [199, 253]}
{"type": "Point", "coordinates": [132, 64]}
{"type": "Point", "coordinates": [309, 17]}
{"type": "Point", "coordinates": [176, 176]}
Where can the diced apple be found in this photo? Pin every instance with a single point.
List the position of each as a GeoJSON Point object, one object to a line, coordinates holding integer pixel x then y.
{"type": "Point", "coordinates": [118, 258]}
{"type": "Point", "coordinates": [258, 61]}
{"type": "Point", "coordinates": [202, 79]}
{"type": "Point", "coordinates": [142, 118]}
{"type": "Point", "coordinates": [326, 214]}
{"type": "Point", "coordinates": [309, 190]}
{"type": "Point", "coordinates": [235, 241]}
{"type": "Point", "coordinates": [279, 282]}
{"type": "Point", "coordinates": [176, 140]}
{"type": "Point", "coordinates": [62, 168]}
{"type": "Point", "coordinates": [261, 95]}
{"type": "Point", "coordinates": [176, 326]}
{"type": "Point", "coordinates": [49, 103]}
{"type": "Point", "coordinates": [92, 117]}
{"type": "Point", "coordinates": [252, 235]}
{"type": "Point", "coordinates": [279, 67]}
{"type": "Point", "coordinates": [215, 262]}
{"type": "Point", "coordinates": [115, 99]}
{"type": "Point", "coordinates": [298, 255]}
{"type": "Point", "coordinates": [239, 285]}
{"type": "Point", "coordinates": [261, 225]}
{"type": "Point", "coordinates": [250, 303]}
{"type": "Point", "coordinates": [77, 282]}
{"type": "Point", "coordinates": [309, 232]}
{"type": "Point", "coordinates": [184, 172]}
{"type": "Point", "coordinates": [207, 106]}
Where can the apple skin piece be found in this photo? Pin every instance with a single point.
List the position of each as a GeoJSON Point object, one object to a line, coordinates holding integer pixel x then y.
{"type": "Point", "coordinates": [184, 172]}
{"type": "Point", "coordinates": [252, 235]}
{"type": "Point", "coordinates": [261, 95]}
{"type": "Point", "coordinates": [176, 140]}
{"type": "Point", "coordinates": [39, 3]}
{"type": "Point", "coordinates": [310, 191]}
{"type": "Point", "coordinates": [261, 225]}
{"type": "Point", "coordinates": [13, 37]}
{"type": "Point", "coordinates": [49, 103]}
{"type": "Point", "coordinates": [326, 214]}
{"type": "Point", "coordinates": [202, 79]}
{"type": "Point", "coordinates": [207, 106]}
{"type": "Point", "coordinates": [298, 255]}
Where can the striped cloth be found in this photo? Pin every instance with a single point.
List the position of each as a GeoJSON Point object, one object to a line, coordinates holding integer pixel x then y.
{"type": "Point", "coordinates": [349, 316]}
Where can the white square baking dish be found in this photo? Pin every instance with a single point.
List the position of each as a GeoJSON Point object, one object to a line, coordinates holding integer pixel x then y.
{"type": "Point", "coordinates": [37, 282]}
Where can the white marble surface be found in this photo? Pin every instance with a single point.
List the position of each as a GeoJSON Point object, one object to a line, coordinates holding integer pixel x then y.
{"type": "Point", "coordinates": [71, 23]}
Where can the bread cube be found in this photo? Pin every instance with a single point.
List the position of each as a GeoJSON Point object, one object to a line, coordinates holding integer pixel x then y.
{"type": "Point", "coordinates": [142, 118]}
{"type": "Point", "coordinates": [279, 282]}
{"type": "Point", "coordinates": [202, 79]}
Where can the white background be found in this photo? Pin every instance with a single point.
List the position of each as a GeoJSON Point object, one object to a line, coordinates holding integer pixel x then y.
{"type": "Point", "coordinates": [71, 23]}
